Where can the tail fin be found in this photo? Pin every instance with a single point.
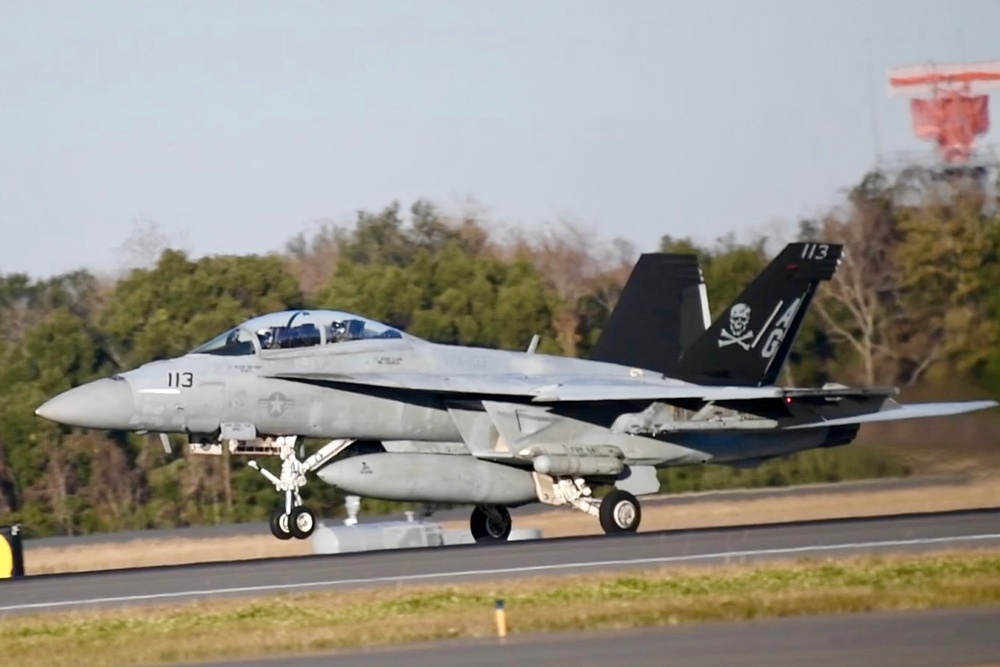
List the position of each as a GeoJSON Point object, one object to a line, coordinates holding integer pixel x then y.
{"type": "Point", "coordinates": [749, 343]}
{"type": "Point", "coordinates": [662, 309]}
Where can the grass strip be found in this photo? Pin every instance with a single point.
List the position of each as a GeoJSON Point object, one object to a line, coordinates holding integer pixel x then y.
{"type": "Point", "coordinates": [297, 623]}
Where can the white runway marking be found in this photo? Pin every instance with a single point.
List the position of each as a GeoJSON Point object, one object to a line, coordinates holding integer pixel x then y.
{"type": "Point", "coordinates": [270, 588]}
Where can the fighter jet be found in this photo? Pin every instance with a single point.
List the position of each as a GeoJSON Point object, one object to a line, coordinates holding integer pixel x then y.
{"type": "Point", "coordinates": [499, 429]}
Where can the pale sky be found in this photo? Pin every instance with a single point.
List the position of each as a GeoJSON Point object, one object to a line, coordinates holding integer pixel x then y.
{"type": "Point", "coordinates": [237, 124]}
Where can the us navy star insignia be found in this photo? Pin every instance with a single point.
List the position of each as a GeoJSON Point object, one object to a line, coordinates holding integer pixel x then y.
{"type": "Point", "coordinates": [276, 404]}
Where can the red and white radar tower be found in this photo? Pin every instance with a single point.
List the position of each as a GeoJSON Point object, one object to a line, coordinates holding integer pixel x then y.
{"type": "Point", "coordinates": [950, 104]}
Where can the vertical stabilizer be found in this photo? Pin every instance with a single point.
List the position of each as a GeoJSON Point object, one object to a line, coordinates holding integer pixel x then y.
{"type": "Point", "coordinates": [750, 341]}
{"type": "Point", "coordinates": [662, 308]}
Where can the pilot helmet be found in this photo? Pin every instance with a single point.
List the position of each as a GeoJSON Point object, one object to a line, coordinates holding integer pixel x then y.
{"type": "Point", "coordinates": [266, 337]}
{"type": "Point", "coordinates": [338, 330]}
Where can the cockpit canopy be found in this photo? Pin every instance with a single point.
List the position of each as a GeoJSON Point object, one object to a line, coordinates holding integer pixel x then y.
{"type": "Point", "coordinates": [295, 328]}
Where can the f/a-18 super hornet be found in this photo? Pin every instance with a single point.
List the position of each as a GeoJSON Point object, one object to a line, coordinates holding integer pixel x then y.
{"type": "Point", "coordinates": [497, 428]}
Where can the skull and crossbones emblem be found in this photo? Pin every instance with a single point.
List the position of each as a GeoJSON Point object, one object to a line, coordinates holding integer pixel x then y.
{"type": "Point", "coordinates": [738, 332]}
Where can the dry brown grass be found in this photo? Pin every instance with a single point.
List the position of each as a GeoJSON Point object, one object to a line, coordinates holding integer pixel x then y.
{"type": "Point", "coordinates": [982, 491]}
{"type": "Point", "coordinates": [170, 551]}
{"type": "Point", "coordinates": [287, 624]}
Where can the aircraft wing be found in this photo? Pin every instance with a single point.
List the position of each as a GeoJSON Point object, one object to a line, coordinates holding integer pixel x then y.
{"type": "Point", "coordinates": [894, 411]}
{"type": "Point", "coordinates": [544, 389]}
{"type": "Point", "coordinates": [610, 390]}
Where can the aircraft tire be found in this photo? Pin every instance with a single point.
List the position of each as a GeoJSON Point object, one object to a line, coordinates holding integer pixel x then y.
{"type": "Point", "coordinates": [485, 530]}
{"type": "Point", "coordinates": [301, 522]}
{"type": "Point", "coordinates": [620, 512]}
{"type": "Point", "coordinates": [278, 522]}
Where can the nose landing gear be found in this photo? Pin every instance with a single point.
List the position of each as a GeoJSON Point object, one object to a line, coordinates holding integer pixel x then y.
{"type": "Point", "coordinates": [299, 524]}
{"type": "Point", "coordinates": [295, 519]}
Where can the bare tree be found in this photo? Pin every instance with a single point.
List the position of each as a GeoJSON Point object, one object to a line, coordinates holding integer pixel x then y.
{"type": "Point", "coordinates": [860, 304]}
{"type": "Point", "coordinates": [201, 480]}
{"type": "Point", "coordinates": [114, 488]}
{"type": "Point", "coordinates": [143, 247]}
{"type": "Point", "coordinates": [312, 258]}
{"type": "Point", "coordinates": [57, 486]}
{"type": "Point", "coordinates": [576, 263]}
{"type": "Point", "coordinates": [9, 500]}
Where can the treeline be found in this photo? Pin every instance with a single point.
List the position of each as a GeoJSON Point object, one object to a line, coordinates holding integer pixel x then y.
{"type": "Point", "coordinates": [917, 298]}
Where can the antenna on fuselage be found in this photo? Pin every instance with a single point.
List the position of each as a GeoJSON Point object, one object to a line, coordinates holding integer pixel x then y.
{"type": "Point", "coordinates": [533, 345]}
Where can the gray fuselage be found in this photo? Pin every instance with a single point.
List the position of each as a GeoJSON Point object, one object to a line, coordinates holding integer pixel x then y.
{"type": "Point", "coordinates": [199, 393]}
{"type": "Point", "coordinates": [241, 389]}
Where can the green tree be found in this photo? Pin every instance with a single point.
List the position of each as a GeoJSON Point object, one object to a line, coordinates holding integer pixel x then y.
{"type": "Point", "coordinates": [386, 239]}
{"type": "Point", "coordinates": [167, 310]}
{"type": "Point", "coordinates": [949, 262]}
{"type": "Point", "coordinates": [25, 302]}
{"type": "Point", "coordinates": [728, 267]}
{"type": "Point", "coordinates": [451, 297]}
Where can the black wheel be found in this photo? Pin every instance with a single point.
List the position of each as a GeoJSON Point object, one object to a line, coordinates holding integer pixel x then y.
{"type": "Point", "coordinates": [490, 525]}
{"type": "Point", "coordinates": [301, 522]}
{"type": "Point", "coordinates": [278, 522]}
{"type": "Point", "coordinates": [620, 512]}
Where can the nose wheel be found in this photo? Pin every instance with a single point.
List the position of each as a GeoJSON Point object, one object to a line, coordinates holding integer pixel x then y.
{"type": "Point", "coordinates": [278, 522]}
{"type": "Point", "coordinates": [299, 524]}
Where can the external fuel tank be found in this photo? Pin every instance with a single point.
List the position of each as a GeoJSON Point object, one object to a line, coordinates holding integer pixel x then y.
{"type": "Point", "coordinates": [441, 478]}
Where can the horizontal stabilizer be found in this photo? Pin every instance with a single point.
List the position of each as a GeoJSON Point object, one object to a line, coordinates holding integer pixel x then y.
{"type": "Point", "coordinates": [895, 411]}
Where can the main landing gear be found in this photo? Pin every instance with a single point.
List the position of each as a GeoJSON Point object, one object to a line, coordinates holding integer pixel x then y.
{"type": "Point", "coordinates": [618, 512]}
{"type": "Point", "coordinates": [295, 519]}
{"type": "Point", "coordinates": [490, 523]}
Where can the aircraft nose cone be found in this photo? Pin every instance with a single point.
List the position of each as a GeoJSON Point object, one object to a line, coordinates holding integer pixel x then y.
{"type": "Point", "coordinates": [102, 404]}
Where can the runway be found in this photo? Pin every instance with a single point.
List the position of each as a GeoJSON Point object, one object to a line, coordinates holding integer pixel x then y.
{"type": "Point", "coordinates": [916, 532]}
{"type": "Point", "coordinates": [805, 492]}
{"type": "Point", "coordinates": [914, 639]}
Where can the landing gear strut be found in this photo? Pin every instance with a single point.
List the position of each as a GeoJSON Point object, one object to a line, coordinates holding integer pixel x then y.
{"type": "Point", "coordinates": [490, 523]}
{"type": "Point", "coordinates": [295, 519]}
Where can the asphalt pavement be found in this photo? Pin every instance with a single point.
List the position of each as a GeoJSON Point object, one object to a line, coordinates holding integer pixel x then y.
{"type": "Point", "coordinates": [917, 532]}
{"type": "Point", "coordinates": [938, 638]}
